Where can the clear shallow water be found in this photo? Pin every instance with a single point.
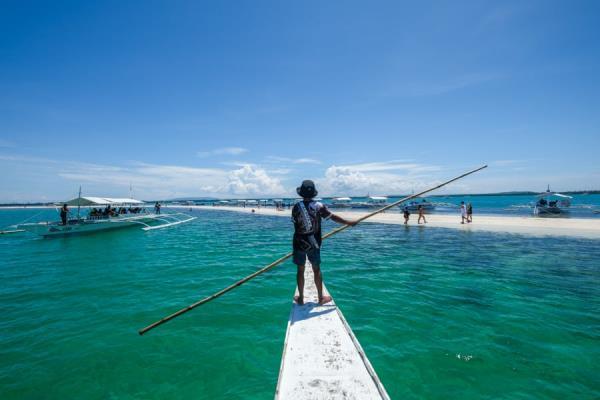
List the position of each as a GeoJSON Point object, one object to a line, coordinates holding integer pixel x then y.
{"type": "Point", "coordinates": [441, 313]}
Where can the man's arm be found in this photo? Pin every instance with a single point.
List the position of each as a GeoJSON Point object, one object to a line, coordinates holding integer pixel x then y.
{"type": "Point", "coordinates": [341, 220]}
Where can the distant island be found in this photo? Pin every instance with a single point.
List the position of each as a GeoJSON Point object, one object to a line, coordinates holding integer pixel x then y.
{"type": "Point", "coordinates": [209, 199]}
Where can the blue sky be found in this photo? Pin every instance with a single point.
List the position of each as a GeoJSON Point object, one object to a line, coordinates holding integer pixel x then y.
{"type": "Point", "coordinates": [246, 99]}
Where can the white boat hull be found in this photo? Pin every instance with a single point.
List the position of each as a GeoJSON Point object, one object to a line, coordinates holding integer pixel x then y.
{"type": "Point", "coordinates": [415, 207]}
{"type": "Point", "coordinates": [340, 205]}
{"type": "Point", "coordinates": [544, 210]}
{"type": "Point", "coordinates": [86, 226]}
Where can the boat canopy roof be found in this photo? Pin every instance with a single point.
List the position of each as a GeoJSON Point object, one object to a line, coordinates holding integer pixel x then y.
{"type": "Point", "coordinates": [377, 197]}
{"type": "Point", "coordinates": [546, 194]}
{"type": "Point", "coordinates": [101, 201]}
{"type": "Point", "coordinates": [342, 199]}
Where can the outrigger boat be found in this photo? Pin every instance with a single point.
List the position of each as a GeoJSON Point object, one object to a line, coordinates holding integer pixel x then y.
{"type": "Point", "coordinates": [414, 205]}
{"type": "Point", "coordinates": [551, 203]}
{"type": "Point", "coordinates": [372, 202]}
{"type": "Point", "coordinates": [341, 202]}
{"type": "Point", "coordinates": [117, 213]}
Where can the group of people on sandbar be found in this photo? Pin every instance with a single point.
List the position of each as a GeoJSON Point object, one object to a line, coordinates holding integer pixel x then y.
{"type": "Point", "coordinates": [420, 210]}
{"type": "Point", "coordinates": [466, 212]}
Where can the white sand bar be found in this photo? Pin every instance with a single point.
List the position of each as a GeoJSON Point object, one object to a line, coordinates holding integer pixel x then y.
{"type": "Point", "coordinates": [573, 227]}
{"type": "Point", "coordinates": [322, 358]}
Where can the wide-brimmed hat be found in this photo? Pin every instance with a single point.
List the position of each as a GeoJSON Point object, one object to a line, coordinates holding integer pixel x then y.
{"type": "Point", "coordinates": [307, 189]}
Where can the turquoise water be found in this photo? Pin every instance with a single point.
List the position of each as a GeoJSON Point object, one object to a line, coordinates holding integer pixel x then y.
{"type": "Point", "coordinates": [442, 314]}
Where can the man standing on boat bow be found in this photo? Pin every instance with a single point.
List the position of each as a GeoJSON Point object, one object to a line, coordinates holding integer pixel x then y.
{"type": "Point", "coordinates": [306, 216]}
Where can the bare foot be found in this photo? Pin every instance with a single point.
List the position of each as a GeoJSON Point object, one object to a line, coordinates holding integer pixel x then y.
{"type": "Point", "coordinates": [325, 300]}
{"type": "Point", "coordinates": [299, 300]}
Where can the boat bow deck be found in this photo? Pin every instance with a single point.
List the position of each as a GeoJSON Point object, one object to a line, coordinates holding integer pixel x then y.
{"type": "Point", "coordinates": [322, 359]}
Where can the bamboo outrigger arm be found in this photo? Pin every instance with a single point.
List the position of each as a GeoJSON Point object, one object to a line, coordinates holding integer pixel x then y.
{"type": "Point", "coordinates": [289, 255]}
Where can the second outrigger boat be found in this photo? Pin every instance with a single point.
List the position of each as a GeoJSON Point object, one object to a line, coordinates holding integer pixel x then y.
{"type": "Point", "coordinates": [341, 202]}
{"type": "Point", "coordinates": [552, 203]}
{"type": "Point", "coordinates": [105, 213]}
{"type": "Point", "coordinates": [372, 202]}
{"type": "Point", "coordinates": [423, 203]}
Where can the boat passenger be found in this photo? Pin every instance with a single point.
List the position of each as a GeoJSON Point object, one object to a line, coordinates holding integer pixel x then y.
{"type": "Point", "coordinates": [157, 208]}
{"type": "Point", "coordinates": [306, 216]}
{"type": "Point", "coordinates": [64, 211]}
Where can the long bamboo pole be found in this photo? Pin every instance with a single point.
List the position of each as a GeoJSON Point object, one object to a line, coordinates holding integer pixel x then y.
{"type": "Point", "coordinates": [288, 255]}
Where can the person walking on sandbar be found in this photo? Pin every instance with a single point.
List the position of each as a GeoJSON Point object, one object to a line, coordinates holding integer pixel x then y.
{"type": "Point", "coordinates": [306, 216]}
{"type": "Point", "coordinates": [469, 212]}
{"type": "Point", "coordinates": [463, 212]}
{"type": "Point", "coordinates": [406, 214]}
{"type": "Point", "coordinates": [421, 214]}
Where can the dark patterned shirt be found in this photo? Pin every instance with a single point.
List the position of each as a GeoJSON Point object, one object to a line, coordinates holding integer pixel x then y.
{"type": "Point", "coordinates": [306, 216]}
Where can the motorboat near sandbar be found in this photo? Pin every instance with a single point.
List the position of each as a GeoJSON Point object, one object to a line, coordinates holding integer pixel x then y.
{"type": "Point", "coordinates": [105, 213]}
{"type": "Point", "coordinates": [372, 202]}
{"type": "Point", "coordinates": [552, 203]}
{"type": "Point", "coordinates": [414, 205]}
{"type": "Point", "coordinates": [341, 202]}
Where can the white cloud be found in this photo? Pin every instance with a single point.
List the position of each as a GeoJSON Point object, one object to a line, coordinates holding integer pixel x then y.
{"type": "Point", "coordinates": [394, 165]}
{"type": "Point", "coordinates": [149, 181]}
{"type": "Point", "coordinates": [279, 171]}
{"type": "Point", "coordinates": [346, 180]}
{"type": "Point", "coordinates": [229, 151]}
{"type": "Point", "coordinates": [303, 160]}
{"type": "Point", "coordinates": [250, 180]}
{"type": "Point", "coordinates": [306, 161]}
{"type": "Point", "coordinates": [236, 163]}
